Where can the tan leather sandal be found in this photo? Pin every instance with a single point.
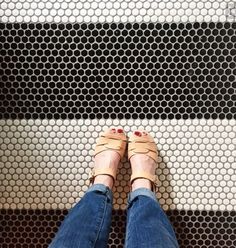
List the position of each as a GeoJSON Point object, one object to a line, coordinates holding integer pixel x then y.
{"type": "Point", "coordinates": [109, 141]}
{"type": "Point", "coordinates": [143, 145]}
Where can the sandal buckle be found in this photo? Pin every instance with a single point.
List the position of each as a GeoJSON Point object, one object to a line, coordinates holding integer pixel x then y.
{"type": "Point", "coordinates": [91, 174]}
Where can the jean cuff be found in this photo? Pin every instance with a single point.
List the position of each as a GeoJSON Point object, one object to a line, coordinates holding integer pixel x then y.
{"type": "Point", "coordinates": [102, 188]}
{"type": "Point", "coordinates": [141, 191]}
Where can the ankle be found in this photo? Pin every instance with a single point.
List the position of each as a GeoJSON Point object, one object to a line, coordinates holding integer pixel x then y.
{"type": "Point", "coordinates": [104, 179]}
{"type": "Point", "coordinates": [141, 183]}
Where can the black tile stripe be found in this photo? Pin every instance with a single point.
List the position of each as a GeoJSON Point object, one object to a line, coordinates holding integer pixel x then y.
{"type": "Point", "coordinates": [118, 70]}
{"type": "Point", "coordinates": [194, 229]}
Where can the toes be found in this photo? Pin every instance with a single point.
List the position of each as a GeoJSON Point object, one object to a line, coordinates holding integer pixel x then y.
{"type": "Point", "coordinates": [116, 130]}
{"type": "Point", "coordinates": [113, 130]}
{"type": "Point", "coordinates": [109, 130]}
{"type": "Point", "coordinates": [138, 133]}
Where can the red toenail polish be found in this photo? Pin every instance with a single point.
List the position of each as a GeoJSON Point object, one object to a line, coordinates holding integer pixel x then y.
{"type": "Point", "coordinates": [137, 133]}
{"type": "Point", "coordinates": [120, 130]}
{"type": "Point", "coordinates": [113, 130]}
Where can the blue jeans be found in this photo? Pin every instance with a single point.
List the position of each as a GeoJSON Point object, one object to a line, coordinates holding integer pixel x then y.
{"type": "Point", "coordinates": [88, 223]}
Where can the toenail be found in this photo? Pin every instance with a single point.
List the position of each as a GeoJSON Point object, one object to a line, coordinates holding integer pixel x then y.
{"type": "Point", "coordinates": [137, 133]}
{"type": "Point", "coordinates": [120, 130]}
{"type": "Point", "coordinates": [113, 130]}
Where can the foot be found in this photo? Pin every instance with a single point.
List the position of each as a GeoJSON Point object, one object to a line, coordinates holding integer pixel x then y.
{"type": "Point", "coordinates": [144, 163]}
{"type": "Point", "coordinates": [107, 158]}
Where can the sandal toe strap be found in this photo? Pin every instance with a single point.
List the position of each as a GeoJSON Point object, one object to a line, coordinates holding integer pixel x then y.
{"type": "Point", "coordinates": [143, 148]}
{"type": "Point", "coordinates": [104, 143]}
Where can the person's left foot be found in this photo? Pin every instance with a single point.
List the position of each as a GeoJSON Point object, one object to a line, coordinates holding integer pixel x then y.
{"type": "Point", "coordinates": [107, 158]}
{"type": "Point", "coordinates": [144, 163]}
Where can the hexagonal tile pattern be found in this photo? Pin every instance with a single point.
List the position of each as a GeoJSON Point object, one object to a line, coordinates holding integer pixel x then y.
{"type": "Point", "coordinates": [70, 69]}
{"type": "Point", "coordinates": [117, 11]}
{"type": "Point", "coordinates": [45, 163]}
{"type": "Point", "coordinates": [167, 71]}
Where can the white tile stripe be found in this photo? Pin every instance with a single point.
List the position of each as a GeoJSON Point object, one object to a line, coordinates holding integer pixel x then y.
{"type": "Point", "coordinates": [117, 11]}
{"type": "Point", "coordinates": [44, 163]}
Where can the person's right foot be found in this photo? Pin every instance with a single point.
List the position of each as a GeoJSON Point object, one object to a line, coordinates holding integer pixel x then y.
{"type": "Point", "coordinates": [142, 162]}
{"type": "Point", "coordinates": [108, 159]}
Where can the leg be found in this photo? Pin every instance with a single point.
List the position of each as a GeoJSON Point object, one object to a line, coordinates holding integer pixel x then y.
{"type": "Point", "coordinates": [88, 222]}
{"type": "Point", "coordinates": [147, 223]}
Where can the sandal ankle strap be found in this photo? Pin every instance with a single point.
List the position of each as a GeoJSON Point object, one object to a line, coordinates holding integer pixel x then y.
{"type": "Point", "coordinates": [141, 174]}
{"type": "Point", "coordinates": [103, 171]}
